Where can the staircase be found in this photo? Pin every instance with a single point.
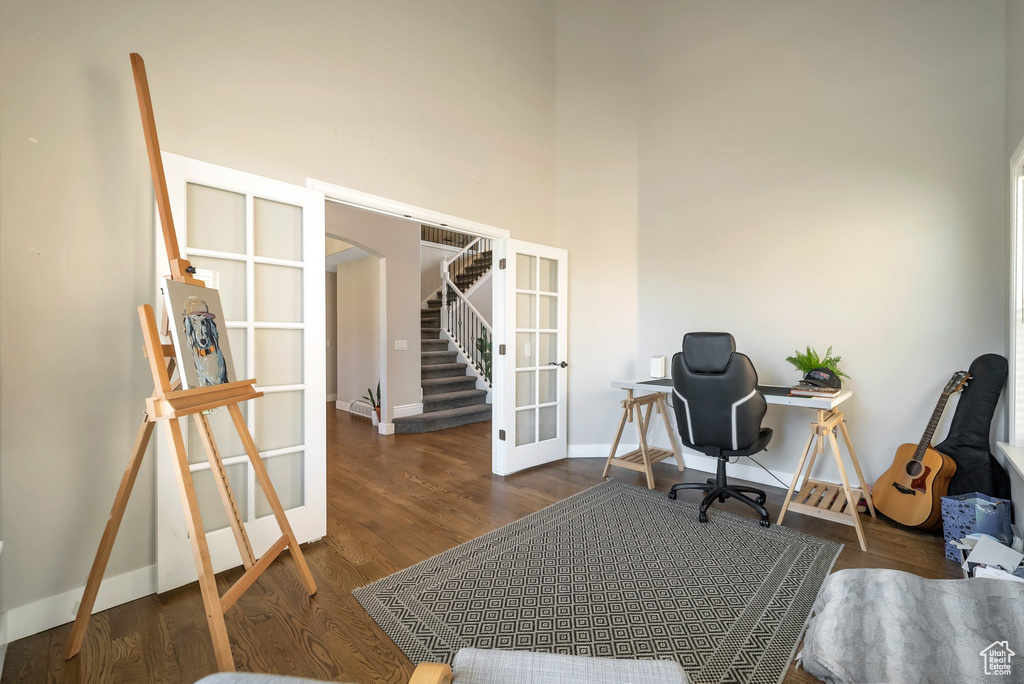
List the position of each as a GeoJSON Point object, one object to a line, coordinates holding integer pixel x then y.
{"type": "Point", "coordinates": [450, 393]}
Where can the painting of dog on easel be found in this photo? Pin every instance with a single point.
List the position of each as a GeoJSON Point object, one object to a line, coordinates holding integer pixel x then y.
{"type": "Point", "coordinates": [199, 334]}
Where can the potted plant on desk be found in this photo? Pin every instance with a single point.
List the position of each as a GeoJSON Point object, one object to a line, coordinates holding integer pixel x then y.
{"type": "Point", "coordinates": [806, 361]}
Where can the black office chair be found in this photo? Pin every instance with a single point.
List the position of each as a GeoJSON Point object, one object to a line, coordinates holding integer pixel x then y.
{"type": "Point", "coordinates": [719, 411]}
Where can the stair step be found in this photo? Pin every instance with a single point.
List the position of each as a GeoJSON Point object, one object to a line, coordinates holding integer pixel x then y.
{"type": "Point", "coordinates": [439, 420]}
{"type": "Point", "coordinates": [433, 358]}
{"type": "Point", "coordinates": [433, 303]}
{"type": "Point", "coordinates": [443, 370]}
{"type": "Point", "coordinates": [440, 385]}
{"type": "Point", "coordinates": [434, 346]}
{"type": "Point", "coordinates": [450, 400]}
{"type": "Point", "coordinates": [430, 333]}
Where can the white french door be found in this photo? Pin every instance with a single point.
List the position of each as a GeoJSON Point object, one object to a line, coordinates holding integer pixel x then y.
{"type": "Point", "coordinates": [260, 242]}
{"type": "Point", "coordinates": [532, 320]}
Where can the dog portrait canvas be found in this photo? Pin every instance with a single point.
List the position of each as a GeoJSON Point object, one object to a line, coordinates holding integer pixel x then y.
{"type": "Point", "coordinates": [199, 334]}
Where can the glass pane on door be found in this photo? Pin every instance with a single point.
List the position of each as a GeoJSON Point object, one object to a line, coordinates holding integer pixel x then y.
{"type": "Point", "coordinates": [279, 356]}
{"type": "Point", "coordinates": [278, 229]}
{"type": "Point", "coordinates": [286, 473]}
{"type": "Point", "coordinates": [215, 219]}
{"type": "Point", "coordinates": [224, 434]}
{"type": "Point", "coordinates": [279, 420]}
{"type": "Point", "coordinates": [228, 279]}
{"type": "Point", "coordinates": [278, 293]}
{"type": "Point", "coordinates": [211, 506]}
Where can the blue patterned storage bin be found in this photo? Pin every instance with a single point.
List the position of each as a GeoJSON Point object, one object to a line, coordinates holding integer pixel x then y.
{"type": "Point", "coordinates": [969, 513]}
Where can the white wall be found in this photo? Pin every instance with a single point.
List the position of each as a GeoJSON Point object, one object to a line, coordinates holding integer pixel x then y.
{"type": "Point", "coordinates": [1014, 74]}
{"type": "Point", "coordinates": [596, 207]}
{"type": "Point", "coordinates": [398, 243]}
{"type": "Point", "coordinates": [481, 296]}
{"type": "Point", "coordinates": [863, 138]}
{"type": "Point", "coordinates": [358, 313]}
{"type": "Point", "coordinates": [331, 329]}
{"type": "Point", "coordinates": [362, 94]}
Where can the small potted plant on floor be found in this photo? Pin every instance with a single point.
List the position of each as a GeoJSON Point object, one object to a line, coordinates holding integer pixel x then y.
{"type": "Point", "coordinates": [373, 402]}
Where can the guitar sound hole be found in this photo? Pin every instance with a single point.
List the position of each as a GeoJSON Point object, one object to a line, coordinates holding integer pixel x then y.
{"type": "Point", "coordinates": [914, 469]}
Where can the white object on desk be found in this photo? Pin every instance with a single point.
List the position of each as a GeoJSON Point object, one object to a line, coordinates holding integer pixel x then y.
{"type": "Point", "coordinates": [658, 367]}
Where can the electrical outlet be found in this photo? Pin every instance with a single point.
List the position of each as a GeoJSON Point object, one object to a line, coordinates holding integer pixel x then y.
{"type": "Point", "coordinates": [401, 345]}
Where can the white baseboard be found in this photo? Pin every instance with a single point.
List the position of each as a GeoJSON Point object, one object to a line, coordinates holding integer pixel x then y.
{"type": "Point", "coordinates": [408, 410]}
{"type": "Point", "coordinates": [386, 428]}
{"type": "Point", "coordinates": [50, 612]}
{"type": "Point", "coordinates": [748, 470]}
{"type": "Point", "coordinates": [332, 397]}
{"type": "Point", "coordinates": [343, 405]}
{"type": "Point", "coordinates": [3, 640]}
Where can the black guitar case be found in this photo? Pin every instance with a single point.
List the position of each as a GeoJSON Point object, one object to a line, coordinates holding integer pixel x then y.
{"type": "Point", "coordinates": [968, 440]}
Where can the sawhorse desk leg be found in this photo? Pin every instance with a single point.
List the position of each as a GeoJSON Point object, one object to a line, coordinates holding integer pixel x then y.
{"type": "Point", "coordinates": [822, 499]}
{"type": "Point", "coordinates": [646, 456]}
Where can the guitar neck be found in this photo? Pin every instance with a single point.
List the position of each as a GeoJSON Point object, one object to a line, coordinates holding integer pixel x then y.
{"type": "Point", "coordinates": [926, 439]}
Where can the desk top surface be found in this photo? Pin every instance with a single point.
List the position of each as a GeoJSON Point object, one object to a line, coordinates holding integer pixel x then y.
{"type": "Point", "coordinates": [773, 394]}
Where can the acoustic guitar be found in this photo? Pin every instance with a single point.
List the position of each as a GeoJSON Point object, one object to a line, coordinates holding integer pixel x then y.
{"type": "Point", "coordinates": [909, 492]}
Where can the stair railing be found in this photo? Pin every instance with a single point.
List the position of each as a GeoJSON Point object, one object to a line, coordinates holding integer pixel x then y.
{"type": "Point", "coordinates": [442, 236]}
{"type": "Point", "coordinates": [464, 260]}
{"type": "Point", "coordinates": [468, 329]}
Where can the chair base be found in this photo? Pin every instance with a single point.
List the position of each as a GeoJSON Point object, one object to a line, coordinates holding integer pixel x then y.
{"type": "Point", "coordinates": [719, 488]}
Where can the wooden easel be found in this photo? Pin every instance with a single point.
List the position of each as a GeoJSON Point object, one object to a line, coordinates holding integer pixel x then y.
{"type": "Point", "coordinates": [823, 499]}
{"type": "Point", "coordinates": [646, 456]}
{"type": "Point", "coordinates": [168, 403]}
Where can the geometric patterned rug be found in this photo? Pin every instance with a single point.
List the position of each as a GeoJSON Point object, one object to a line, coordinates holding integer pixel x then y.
{"type": "Point", "coordinates": [616, 571]}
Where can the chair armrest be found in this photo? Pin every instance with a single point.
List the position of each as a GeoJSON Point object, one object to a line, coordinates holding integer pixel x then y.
{"type": "Point", "coordinates": [431, 673]}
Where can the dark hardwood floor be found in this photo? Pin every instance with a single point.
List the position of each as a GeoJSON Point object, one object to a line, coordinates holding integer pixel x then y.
{"type": "Point", "coordinates": [392, 502]}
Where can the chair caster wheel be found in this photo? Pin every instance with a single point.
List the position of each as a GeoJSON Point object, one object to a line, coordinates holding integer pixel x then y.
{"type": "Point", "coordinates": [766, 522]}
{"type": "Point", "coordinates": [672, 495]}
{"type": "Point", "coordinates": [702, 516]}
{"type": "Point", "coordinates": [761, 500]}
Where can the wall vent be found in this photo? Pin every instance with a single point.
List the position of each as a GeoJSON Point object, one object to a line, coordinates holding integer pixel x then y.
{"type": "Point", "coordinates": [360, 409]}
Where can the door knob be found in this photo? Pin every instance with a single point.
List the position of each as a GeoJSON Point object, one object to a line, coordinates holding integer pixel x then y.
{"type": "Point", "coordinates": [563, 364]}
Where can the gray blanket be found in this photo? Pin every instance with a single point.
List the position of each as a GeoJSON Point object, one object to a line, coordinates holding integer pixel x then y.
{"type": "Point", "coordinates": [887, 626]}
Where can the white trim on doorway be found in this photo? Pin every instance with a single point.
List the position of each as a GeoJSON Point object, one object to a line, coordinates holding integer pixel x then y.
{"type": "Point", "coordinates": [382, 205]}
